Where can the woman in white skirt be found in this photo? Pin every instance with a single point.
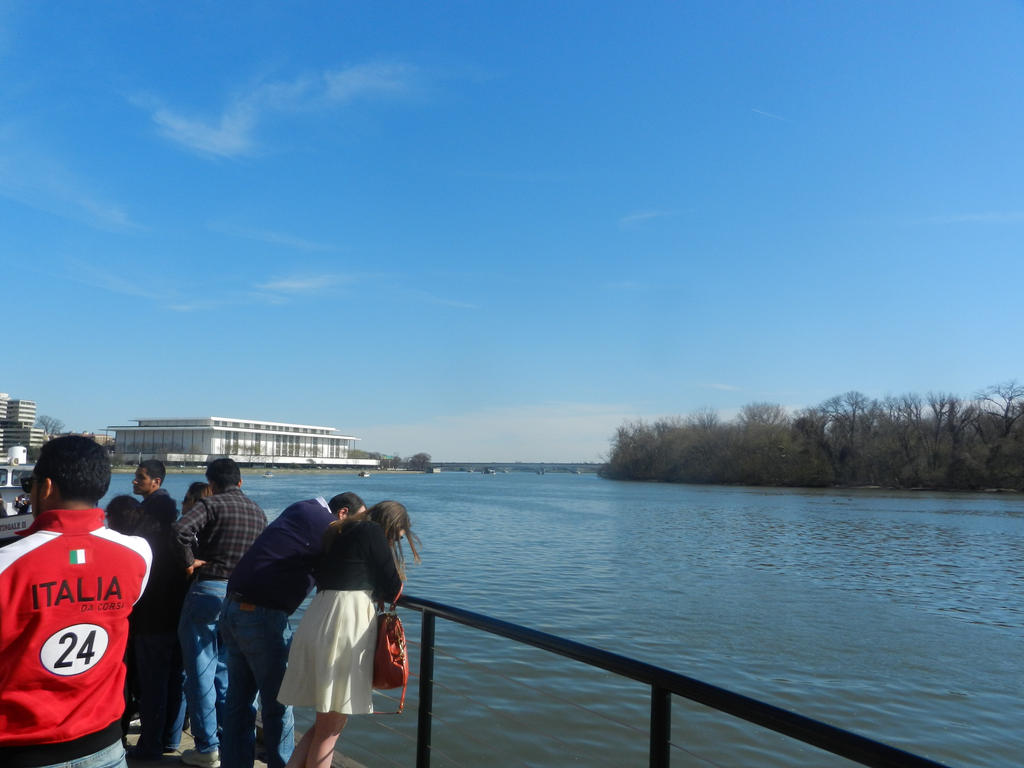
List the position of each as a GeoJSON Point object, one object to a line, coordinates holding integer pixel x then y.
{"type": "Point", "coordinates": [330, 665]}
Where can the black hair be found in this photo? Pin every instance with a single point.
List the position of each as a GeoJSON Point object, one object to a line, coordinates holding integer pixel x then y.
{"type": "Point", "coordinates": [124, 514]}
{"type": "Point", "coordinates": [223, 474]}
{"type": "Point", "coordinates": [347, 500]}
{"type": "Point", "coordinates": [78, 466]}
{"type": "Point", "coordinates": [155, 469]}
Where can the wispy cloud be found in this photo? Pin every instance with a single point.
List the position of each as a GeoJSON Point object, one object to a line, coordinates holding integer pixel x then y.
{"type": "Point", "coordinates": [302, 284]}
{"type": "Point", "coordinates": [40, 181]}
{"type": "Point", "coordinates": [274, 291]}
{"type": "Point", "coordinates": [453, 303]}
{"type": "Point", "coordinates": [442, 301]}
{"type": "Point", "coordinates": [367, 79]}
{"type": "Point", "coordinates": [89, 274]}
{"type": "Point", "coordinates": [770, 115]}
{"type": "Point", "coordinates": [273, 238]}
{"type": "Point", "coordinates": [169, 296]}
{"type": "Point", "coordinates": [227, 136]}
{"type": "Point", "coordinates": [627, 285]}
{"type": "Point", "coordinates": [232, 132]}
{"type": "Point", "coordinates": [213, 302]}
{"type": "Point", "coordinates": [642, 216]}
{"type": "Point", "coordinates": [191, 306]}
{"type": "Point", "coordinates": [983, 217]}
{"type": "Point", "coordinates": [724, 387]}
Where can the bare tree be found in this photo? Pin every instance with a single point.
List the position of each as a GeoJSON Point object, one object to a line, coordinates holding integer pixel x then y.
{"type": "Point", "coordinates": [763, 414]}
{"type": "Point", "coordinates": [704, 419]}
{"type": "Point", "coordinates": [51, 425]}
{"type": "Point", "coordinates": [1006, 402]}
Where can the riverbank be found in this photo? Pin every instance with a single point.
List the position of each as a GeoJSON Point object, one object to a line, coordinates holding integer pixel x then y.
{"type": "Point", "coordinates": [835, 487]}
{"type": "Point", "coordinates": [532, 469]}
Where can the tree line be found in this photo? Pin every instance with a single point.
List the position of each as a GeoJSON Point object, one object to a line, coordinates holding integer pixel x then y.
{"type": "Point", "coordinates": [418, 461]}
{"type": "Point", "coordinates": [938, 441]}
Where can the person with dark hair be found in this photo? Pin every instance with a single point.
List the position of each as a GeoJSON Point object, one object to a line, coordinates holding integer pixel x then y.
{"type": "Point", "coordinates": [211, 538]}
{"type": "Point", "coordinates": [268, 584]}
{"type": "Point", "coordinates": [155, 649]}
{"type": "Point", "coordinates": [223, 473]}
{"type": "Point", "coordinates": [79, 467]}
{"type": "Point", "coordinates": [330, 664]}
{"type": "Point", "coordinates": [345, 504]}
{"type": "Point", "coordinates": [196, 491]}
{"type": "Point", "coordinates": [66, 590]}
{"type": "Point", "coordinates": [149, 476]}
{"type": "Point", "coordinates": [148, 483]}
{"type": "Point", "coordinates": [124, 516]}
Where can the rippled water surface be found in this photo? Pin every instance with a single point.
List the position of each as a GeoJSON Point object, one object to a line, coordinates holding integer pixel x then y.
{"type": "Point", "coordinates": [896, 615]}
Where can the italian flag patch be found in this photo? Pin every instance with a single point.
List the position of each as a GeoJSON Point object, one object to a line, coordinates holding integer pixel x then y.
{"type": "Point", "coordinates": [76, 556]}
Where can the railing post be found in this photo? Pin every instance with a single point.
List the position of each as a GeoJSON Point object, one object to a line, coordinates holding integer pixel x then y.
{"type": "Point", "coordinates": [661, 726]}
{"type": "Point", "coordinates": [426, 695]}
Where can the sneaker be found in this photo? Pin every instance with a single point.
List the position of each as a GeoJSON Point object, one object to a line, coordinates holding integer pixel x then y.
{"type": "Point", "coordinates": [201, 759]}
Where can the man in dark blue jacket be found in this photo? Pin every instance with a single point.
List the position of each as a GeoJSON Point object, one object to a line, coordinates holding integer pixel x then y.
{"type": "Point", "coordinates": [155, 649]}
{"type": "Point", "coordinates": [148, 483]}
{"type": "Point", "coordinates": [266, 587]}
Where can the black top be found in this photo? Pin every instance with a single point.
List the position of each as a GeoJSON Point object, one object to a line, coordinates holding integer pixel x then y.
{"type": "Point", "coordinates": [160, 506]}
{"type": "Point", "coordinates": [359, 558]}
{"type": "Point", "coordinates": [159, 608]}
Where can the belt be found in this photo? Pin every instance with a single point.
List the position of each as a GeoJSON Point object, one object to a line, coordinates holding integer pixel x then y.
{"type": "Point", "coordinates": [243, 603]}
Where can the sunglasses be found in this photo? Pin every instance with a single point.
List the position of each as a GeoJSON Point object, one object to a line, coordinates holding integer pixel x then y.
{"type": "Point", "coordinates": [26, 483]}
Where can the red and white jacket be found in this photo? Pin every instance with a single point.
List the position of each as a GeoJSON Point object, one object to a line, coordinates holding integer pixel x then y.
{"type": "Point", "coordinates": [66, 589]}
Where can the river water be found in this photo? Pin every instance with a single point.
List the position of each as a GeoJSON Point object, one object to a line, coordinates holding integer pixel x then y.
{"type": "Point", "coordinates": [899, 616]}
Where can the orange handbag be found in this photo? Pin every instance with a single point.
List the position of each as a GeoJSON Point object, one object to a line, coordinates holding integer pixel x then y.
{"type": "Point", "coordinates": [391, 659]}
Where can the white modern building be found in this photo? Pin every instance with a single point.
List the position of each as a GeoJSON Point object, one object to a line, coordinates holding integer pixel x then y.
{"type": "Point", "coordinates": [247, 441]}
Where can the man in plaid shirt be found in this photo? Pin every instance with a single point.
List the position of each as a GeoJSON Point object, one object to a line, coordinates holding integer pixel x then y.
{"type": "Point", "coordinates": [212, 537]}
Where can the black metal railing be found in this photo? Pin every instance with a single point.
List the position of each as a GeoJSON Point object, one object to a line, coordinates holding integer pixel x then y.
{"type": "Point", "coordinates": [663, 682]}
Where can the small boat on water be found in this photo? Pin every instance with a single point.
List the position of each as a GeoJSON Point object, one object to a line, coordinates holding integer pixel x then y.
{"type": "Point", "coordinates": [363, 473]}
{"type": "Point", "coordinates": [489, 471]}
{"type": "Point", "coordinates": [16, 512]}
{"type": "Point", "coordinates": [268, 474]}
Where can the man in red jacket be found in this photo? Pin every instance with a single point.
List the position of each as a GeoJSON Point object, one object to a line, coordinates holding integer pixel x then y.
{"type": "Point", "coordinates": [66, 589]}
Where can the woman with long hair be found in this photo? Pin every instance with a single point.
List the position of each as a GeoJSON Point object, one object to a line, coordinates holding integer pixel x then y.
{"type": "Point", "coordinates": [196, 491]}
{"type": "Point", "coordinates": [330, 665]}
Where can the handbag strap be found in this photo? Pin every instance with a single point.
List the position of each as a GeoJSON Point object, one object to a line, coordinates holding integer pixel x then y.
{"type": "Point", "coordinates": [394, 602]}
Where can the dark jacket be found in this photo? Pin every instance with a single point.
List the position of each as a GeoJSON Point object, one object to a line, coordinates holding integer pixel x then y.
{"type": "Point", "coordinates": [159, 608]}
{"type": "Point", "coordinates": [277, 571]}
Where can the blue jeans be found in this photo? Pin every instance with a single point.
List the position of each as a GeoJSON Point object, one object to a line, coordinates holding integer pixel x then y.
{"type": "Point", "coordinates": [257, 641]}
{"type": "Point", "coordinates": [161, 680]}
{"type": "Point", "coordinates": [108, 757]}
{"type": "Point", "coordinates": [202, 654]}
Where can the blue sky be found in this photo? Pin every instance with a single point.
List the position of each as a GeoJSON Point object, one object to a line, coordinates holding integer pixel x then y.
{"type": "Point", "coordinates": [496, 231]}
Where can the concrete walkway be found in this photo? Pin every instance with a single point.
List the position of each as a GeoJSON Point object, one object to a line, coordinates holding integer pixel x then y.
{"type": "Point", "coordinates": [171, 759]}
